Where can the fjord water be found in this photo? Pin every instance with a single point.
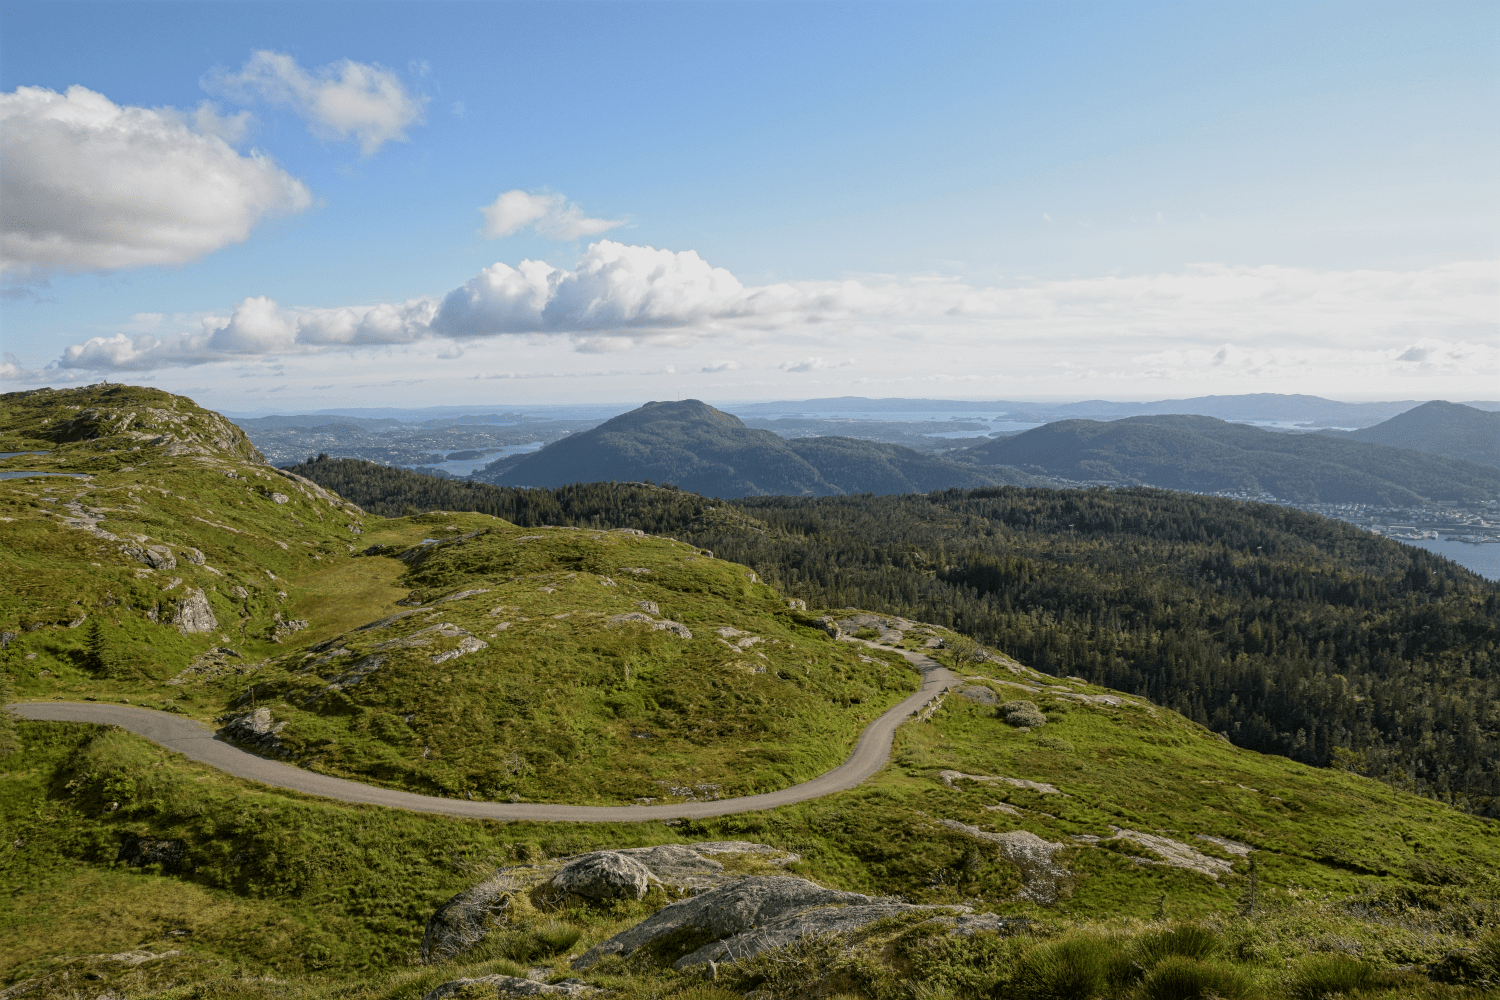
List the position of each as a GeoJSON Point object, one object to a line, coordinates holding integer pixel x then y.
{"type": "Point", "coordinates": [1482, 559]}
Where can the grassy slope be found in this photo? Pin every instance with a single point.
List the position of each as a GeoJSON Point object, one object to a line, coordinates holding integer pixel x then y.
{"type": "Point", "coordinates": [281, 895]}
{"type": "Point", "coordinates": [561, 706]}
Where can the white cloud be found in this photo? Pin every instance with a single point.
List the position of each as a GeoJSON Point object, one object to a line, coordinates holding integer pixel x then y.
{"type": "Point", "coordinates": [1247, 326]}
{"type": "Point", "coordinates": [89, 185]}
{"type": "Point", "coordinates": [340, 101]}
{"type": "Point", "coordinates": [814, 365]}
{"type": "Point", "coordinates": [551, 215]}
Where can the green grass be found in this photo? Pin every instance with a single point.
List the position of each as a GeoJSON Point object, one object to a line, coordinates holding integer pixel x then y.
{"type": "Point", "coordinates": [1356, 886]}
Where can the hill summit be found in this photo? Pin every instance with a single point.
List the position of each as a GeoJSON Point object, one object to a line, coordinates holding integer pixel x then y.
{"type": "Point", "coordinates": [697, 447]}
{"type": "Point", "coordinates": [1438, 428]}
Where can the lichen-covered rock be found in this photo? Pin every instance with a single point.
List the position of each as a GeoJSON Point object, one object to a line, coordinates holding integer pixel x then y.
{"type": "Point", "coordinates": [679, 869]}
{"type": "Point", "coordinates": [979, 694]}
{"type": "Point", "coordinates": [752, 916]}
{"type": "Point", "coordinates": [1042, 878]}
{"type": "Point", "coordinates": [195, 614]}
{"type": "Point", "coordinates": [604, 875]}
{"type": "Point", "coordinates": [509, 986]}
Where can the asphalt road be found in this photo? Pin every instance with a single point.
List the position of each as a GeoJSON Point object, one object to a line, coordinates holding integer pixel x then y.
{"type": "Point", "coordinates": [196, 741]}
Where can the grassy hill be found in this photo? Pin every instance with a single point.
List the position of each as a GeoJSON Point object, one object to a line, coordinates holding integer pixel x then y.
{"type": "Point", "coordinates": [704, 450]}
{"type": "Point", "coordinates": [132, 872]}
{"type": "Point", "coordinates": [1438, 428]}
{"type": "Point", "coordinates": [1205, 455]}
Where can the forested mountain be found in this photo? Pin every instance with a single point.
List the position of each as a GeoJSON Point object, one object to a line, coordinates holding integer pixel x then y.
{"type": "Point", "coordinates": [1288, 632]}
{"type": "Point", "coordinates": [1205, 455]}
{"type": "Point", "coordinates": [1438, 428]}
{"type": "Point", "coordinates": [693, 445]}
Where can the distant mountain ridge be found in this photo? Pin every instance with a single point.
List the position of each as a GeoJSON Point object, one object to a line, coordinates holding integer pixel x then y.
{"type": "Point", "coordinates": [697, 447]}
{"type": "Point", "coordinates": [1453, 430]}
{"type": "Point", "coordinates": [1206, 455]}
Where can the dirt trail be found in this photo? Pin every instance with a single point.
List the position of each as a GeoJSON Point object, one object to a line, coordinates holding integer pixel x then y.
{"type": "Point", "coordinates": [196, 741]}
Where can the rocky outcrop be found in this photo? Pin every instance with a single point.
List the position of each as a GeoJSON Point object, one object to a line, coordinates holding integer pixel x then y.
{"type": "Point", "coordinates": [256, 730]}
{"type": "Point", "coordinates": [665, 624]}
{"type": "Point", "coordinates": [510, 986]}
{"type": "Point", "coordinates": [194, 614]}
{"type": "Point", "coordinates": [1042, 879]}
{"type": "Point", "coordinates": [630, 873]}
{"type": "Point", "coordinates": [752, 916]}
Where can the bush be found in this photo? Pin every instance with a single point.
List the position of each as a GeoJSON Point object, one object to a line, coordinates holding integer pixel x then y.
{"type": "Point", "coordinates": [1181, 978]}
{"type": "Point", "coordinates": [1185, 941]}
{"type": "Point", "coordinates": [1331, 975]}
{"type": "Point", "coordinates": [1022, 713]}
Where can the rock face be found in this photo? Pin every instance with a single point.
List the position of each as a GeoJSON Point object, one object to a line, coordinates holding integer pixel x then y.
{"type": "Point", "coordinates": [756, 915]}
{"type": "Point", "coordinates": [1043, 879]}
{"type": "Point", "coordinates": [510, 986]}
{"type": "Point", "coordinates": [194, 614]}
{"type": "Point", "coordinates": [679, 869]}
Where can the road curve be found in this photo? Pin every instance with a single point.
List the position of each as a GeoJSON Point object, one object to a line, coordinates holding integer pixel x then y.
{"type": "Point", "coordinates": [195, 740]}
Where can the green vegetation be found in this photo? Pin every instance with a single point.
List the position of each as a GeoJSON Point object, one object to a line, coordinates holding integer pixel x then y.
{"type": "Point", "coordinates": [711, 452]}
{"type": "Point", "coordinates": [1176, 863]}
{"type": "Point", "coordinates": [1439, 428]}
{"type": "Point", "coordinates": [1289, 633]}
{"type": "Point", "coordinates": [1206, 455]}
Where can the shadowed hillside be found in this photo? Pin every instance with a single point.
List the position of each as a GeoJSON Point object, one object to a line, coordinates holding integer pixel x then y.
{"type": "Point", "coordinates": [1438, 428]}
{"type": "Point", "coordinates": [1205, 455]}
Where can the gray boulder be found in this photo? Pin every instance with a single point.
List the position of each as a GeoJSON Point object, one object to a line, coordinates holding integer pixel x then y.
{"type": "Point", "coordinates": [256, 729]}
{"type": "Point", "coordinates": [755, 915]}
{"type": "Point", "coordinates": [510, 986]}
{"type": "Point", "coordinates": [679, 869]}
{"type": "Point", "coordinates": [604, 875]}
{"type": "Point", "coordinates": [195, 614]}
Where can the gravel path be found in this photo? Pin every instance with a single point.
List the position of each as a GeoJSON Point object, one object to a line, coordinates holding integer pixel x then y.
{"type": "Point", "coordinates": [195, 740]}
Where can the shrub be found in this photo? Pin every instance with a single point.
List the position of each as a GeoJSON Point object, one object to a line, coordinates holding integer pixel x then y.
{"type": "Point", "coordinates": [1331, 975]}
{"type": "Point", "coordinates": [1181, 978]}
{"type": "Point", "coordinates": [1185, 941]}
{"type": "Point", "coordinates": [1022, 713]}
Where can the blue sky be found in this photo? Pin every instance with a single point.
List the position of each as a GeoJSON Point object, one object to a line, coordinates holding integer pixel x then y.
{"type": "Point", "coordinates": [282, 205]}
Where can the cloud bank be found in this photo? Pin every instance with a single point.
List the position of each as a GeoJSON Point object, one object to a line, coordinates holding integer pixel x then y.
{"type": "Point", "coordinates": [340, 101]}
{"type": "Point", "coordinates": [89, 185]}
{"type": "Point", "coordinates": [550, 215]}
{"type": "Point", "coordinates": [1189, 324]}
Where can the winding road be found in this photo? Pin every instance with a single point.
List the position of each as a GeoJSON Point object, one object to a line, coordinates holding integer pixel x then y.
{"type": "Point", "coordinates": [195, 740]}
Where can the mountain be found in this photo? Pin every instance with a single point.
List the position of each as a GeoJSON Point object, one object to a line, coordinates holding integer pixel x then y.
{"type": "Point", "coordinates": [1438, 428]}
{"type": "Point", "coordinates": [1205, 455]}
{"type": "Point", "coordinates": [696, 447]}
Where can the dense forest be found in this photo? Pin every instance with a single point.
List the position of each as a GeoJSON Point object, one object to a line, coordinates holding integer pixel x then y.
{"type": "Point", "coordinates": [1287, 632]}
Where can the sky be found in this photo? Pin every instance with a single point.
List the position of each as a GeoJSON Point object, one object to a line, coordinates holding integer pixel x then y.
{"type": "Point", "coordinates": [283, 206]}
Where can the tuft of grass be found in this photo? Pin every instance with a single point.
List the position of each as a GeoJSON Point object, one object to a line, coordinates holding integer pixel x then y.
{"type": "Point", "coordinates": [1322, 976]}
{"type": "Point", "coordinates": [1181, 978]}
{"type": "Point", "coordinates": [1082, 967]}
{"type": "Point", "coordinates": [1182, 941]}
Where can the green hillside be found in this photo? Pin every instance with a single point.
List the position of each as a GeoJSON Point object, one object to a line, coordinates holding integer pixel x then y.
{"type": "Point", "coordinates": [1205, 455]}
{"type": "Point", "coordinates": [460, 654]}
{"type": "Point", "coordinates": [704, 450]}
{"type": "Point", "coordinates": [1438, 428]}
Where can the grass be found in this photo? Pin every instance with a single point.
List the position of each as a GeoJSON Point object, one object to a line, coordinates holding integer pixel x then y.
{"type": "Point", "coordinates": [1358, 887]}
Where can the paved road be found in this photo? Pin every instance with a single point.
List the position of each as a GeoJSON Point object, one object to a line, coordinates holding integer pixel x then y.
{"type": "Point", "coordinates": [195, 740]}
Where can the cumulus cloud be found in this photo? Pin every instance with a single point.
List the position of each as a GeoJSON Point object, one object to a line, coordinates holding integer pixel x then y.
{"type": "Point", "coordinates": [342, 100]}
{"type": "Point", "coordinates": [721, 366]}
{"type": "Point", "coordinates": [1211, 321]}
{"type": "Point", "coordinates": [89, 185]}
{"type": "Point", "coordinates": [551, 215]}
